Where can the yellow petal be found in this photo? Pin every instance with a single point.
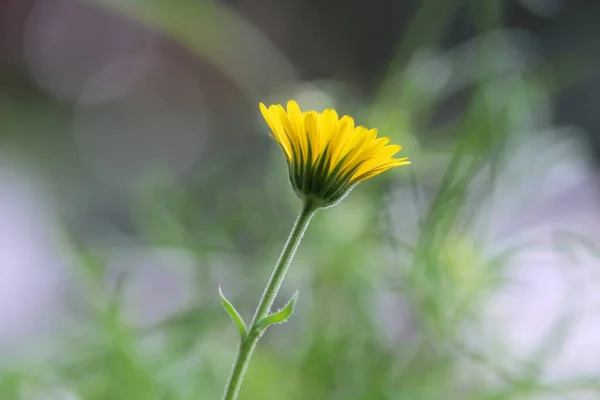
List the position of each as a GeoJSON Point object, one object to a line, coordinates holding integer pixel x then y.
{"type": "Point", "coordinates": [286, 126]}
{"type": "Point", "coordinates": [311, 124]}
{"type": "Point", "coordinates": [381, 158]}
{"type": "Point", "coordinates": [366, 149]}
{"type": "Point", "coordinates": [345, 135]}
{"type": "Point", "coordinates": [296, 119]}
{"type": "Point", "coordinates": [275, 126]}
{"type": "Point", "coordinates": [367, 175]}
{"type": "Point", "coordinates": [328, 128]}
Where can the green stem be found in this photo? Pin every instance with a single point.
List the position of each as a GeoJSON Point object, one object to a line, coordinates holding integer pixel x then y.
{"type": "Point", "coordinates": [249, 342]}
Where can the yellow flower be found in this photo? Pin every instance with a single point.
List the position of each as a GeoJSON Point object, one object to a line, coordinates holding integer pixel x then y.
{"type": "Point", "coordinates": [326, 155]}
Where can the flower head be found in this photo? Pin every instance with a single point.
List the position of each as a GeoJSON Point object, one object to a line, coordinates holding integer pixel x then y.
{"type": "Point", "coordinates": [326, 155]}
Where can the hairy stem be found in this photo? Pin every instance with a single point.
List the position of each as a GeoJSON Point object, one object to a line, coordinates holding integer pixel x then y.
{"type": "Point", "coordinates": [248, 343]}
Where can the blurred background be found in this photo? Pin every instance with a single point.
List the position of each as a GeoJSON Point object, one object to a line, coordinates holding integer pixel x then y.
{"type": "Point", "coordinates": [136, 175]}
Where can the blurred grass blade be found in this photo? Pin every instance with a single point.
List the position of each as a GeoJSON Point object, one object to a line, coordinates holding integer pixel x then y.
{"type": "Point", "coordinates": [212, 29]}
{"type": "Point", "coordinates": [233, 314]}
{"type": "Point", "coordinates": [281, 315]}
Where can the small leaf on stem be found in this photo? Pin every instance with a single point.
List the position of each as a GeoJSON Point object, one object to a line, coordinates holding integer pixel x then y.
{"type": "Point", "coordinates": [281, 315]}
{"type": "Point", "coordinates": [233, 314]}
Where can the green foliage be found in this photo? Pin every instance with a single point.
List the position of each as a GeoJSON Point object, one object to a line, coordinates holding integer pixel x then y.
{"type": "Point", "coordinates": [383, 315]}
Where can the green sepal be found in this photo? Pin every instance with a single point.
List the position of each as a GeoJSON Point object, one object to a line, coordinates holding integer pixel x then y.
{"type": "Point", "coordinates": [233, 314]}
{"type": "Point", "coordinates": [279, 316]}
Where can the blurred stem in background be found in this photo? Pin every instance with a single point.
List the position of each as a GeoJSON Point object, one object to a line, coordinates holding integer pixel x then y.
{"type": "Point", "coordinates": [261, 320]}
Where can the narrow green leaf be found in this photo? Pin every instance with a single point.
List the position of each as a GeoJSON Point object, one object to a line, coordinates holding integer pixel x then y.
{"type": "Point", "coordinates": [281, 315]}
{"type": "Point", "coordinates": [233, 314]}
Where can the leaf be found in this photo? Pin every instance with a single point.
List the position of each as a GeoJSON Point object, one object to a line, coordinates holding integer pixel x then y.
{"type": "Point", "coordinates": [281, 315]}
{"type": "Point", "coordinates": [233, 314]}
